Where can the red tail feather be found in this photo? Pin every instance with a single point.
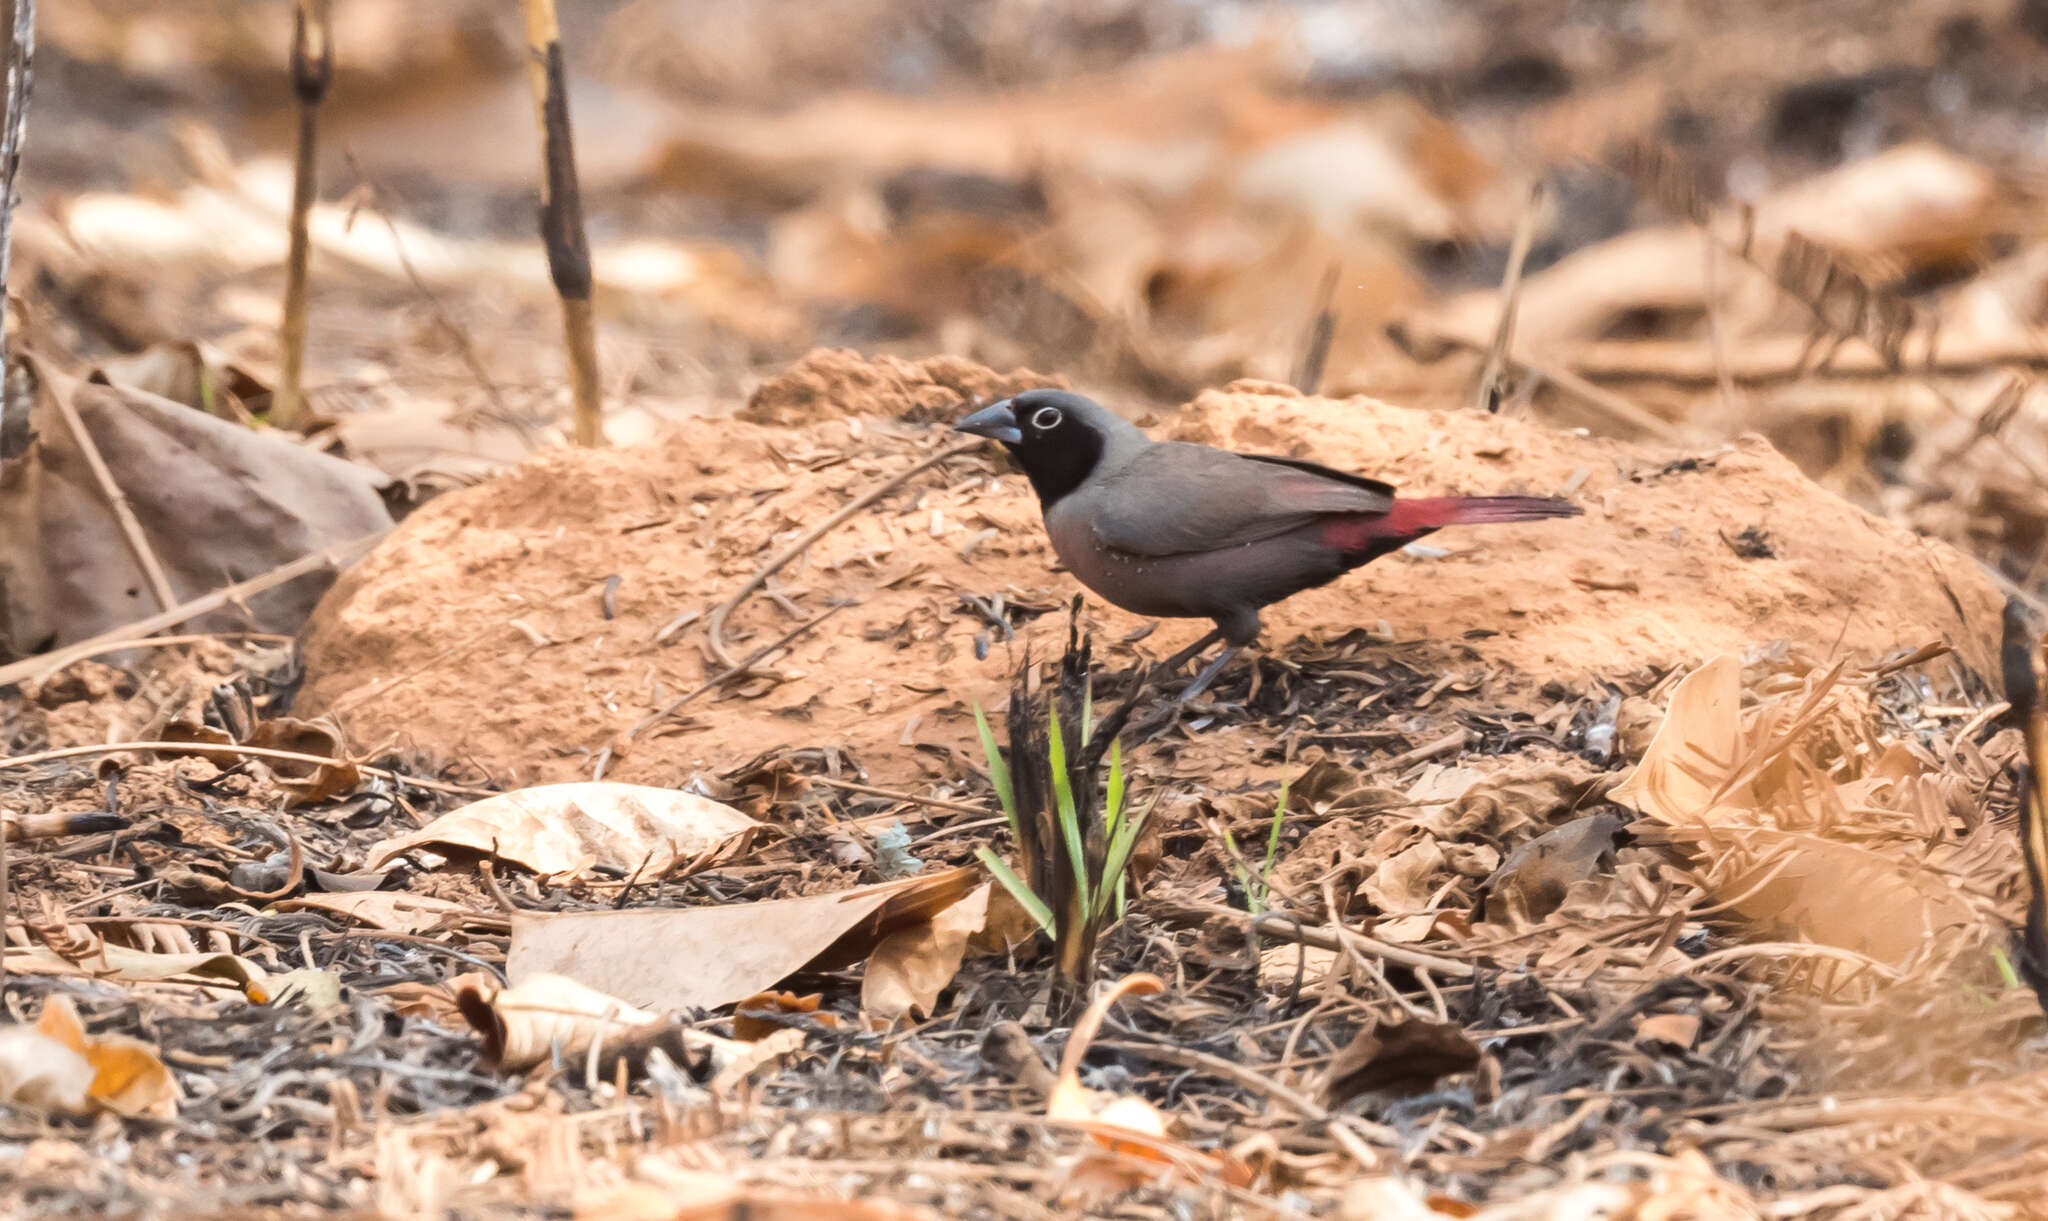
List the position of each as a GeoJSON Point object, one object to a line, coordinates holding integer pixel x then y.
{"type": "Point", "coordinates": [1431, 513]}
{"type": "Point", "coordinates": [1411, 519]}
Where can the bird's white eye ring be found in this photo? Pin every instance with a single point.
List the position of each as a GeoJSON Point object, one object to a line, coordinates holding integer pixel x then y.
{"type": "Point", "coordinates": [1045, 419]}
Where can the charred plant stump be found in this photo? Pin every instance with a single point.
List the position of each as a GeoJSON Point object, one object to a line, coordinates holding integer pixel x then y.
{"type": "Point", "coordinates": [561, 217]}
{"type": "Point", "coordinates": [1069, 861]}
{"type": "Point", "coordinates": [2025, 659]}
{"type": "Point", "coordinates": [312, 72]}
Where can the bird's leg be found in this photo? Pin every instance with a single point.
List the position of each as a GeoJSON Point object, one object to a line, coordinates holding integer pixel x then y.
{"type": "Point", "coordinates": [1207, 676]}
{"type": "Point", "coordinates": [1181, 658]}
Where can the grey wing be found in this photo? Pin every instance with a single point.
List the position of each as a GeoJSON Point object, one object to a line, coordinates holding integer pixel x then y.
{"type": "Point", "coordinates": [1174, 498]}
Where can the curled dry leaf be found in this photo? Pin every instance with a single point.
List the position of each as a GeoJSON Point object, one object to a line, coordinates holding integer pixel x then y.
{"type": "Point", "coordinates": [1677, 1029]}
{"type": "Point", "coordinates": [1133, 1134]}
{"type": "Point", "coordinates": [1799, 850]}
{"type": "Point", "coordinates": [909, 969]}
{"type": "Point", "coordinates": [571, 828]}
{"type": "Point", "coordinates": [305, 782]}
{"type": "Point", "coordinates": [39, 1073]}
{"type": "Point", "coordinates": [128, 1078]}
{"type": "Point", "coordinates": [706, 957]}
{"type": "Point", "coordinates": [764, 1013]}
{"type": "Point", "coordinates": [544, 1015]}
{"type": "Point", "coordinates": [309, 988]}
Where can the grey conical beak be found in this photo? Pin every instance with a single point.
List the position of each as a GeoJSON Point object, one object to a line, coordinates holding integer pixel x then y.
{"type": "Point", "coordinates": [996, 422]}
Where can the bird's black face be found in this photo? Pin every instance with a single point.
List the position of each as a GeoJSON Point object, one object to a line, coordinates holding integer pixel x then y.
{"type": "Point", "coordinates": [1049, 433]}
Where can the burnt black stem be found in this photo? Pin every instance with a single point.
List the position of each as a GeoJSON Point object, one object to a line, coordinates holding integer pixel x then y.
{"type": "Point", "coordinates": [561, 217]}
{"type": "Point", "coordinates": [312, 67]}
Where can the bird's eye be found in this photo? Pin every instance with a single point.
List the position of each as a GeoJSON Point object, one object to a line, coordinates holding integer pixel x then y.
{"type": "Point", "coordinates": [1045, 419]}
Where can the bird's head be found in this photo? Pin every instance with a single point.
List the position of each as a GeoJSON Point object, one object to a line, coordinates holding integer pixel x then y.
{"type": "Point", "coordinates": [1057, 436]}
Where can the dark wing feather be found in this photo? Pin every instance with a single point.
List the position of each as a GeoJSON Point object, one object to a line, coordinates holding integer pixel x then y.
{"type": "Point", "coordinates": [1175, 499]}
{"type": "Point", "coordinates": [1327, 472]}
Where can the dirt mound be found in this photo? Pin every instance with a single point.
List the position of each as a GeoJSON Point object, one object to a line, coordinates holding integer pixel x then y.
{"type": "Point", "coordinates": [832, 382]}
{"type": "Point", "coordinates": [483, 629]}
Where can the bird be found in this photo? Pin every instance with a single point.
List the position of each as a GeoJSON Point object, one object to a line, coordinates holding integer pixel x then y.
{"type": "Point", "coordinates": [1173, 529]}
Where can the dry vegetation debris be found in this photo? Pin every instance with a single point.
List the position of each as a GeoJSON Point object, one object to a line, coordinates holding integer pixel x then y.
{"type": "Point", "coordinates": [605, 845]}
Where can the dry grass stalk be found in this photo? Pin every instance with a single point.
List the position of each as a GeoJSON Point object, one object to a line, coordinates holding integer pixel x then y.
{"type": "Point", "coordinates": [561, 216]}
{"type": "Point", "coordinates": [49, 663]}
{"type": "Point", "coordinates": [1845, 303]}
{"type": "Point", "coordinates": [1489, 390]}
{"type": "Point", "coordinates": [1315, 348]}
{"type": "Point", "coordinates": [312, 68]}
{"type": "Point", "coordinates": [21, 43]}
{"type": "Point", "coordinates": [117, 500]}
{"type": "Point", "coordinates": [21, 49]}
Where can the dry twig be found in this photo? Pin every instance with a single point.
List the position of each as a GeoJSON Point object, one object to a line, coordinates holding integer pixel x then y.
{"type": "Point", "coordinates": [715, 629]}
{"type": "Point", "coordinates": [128, 634]}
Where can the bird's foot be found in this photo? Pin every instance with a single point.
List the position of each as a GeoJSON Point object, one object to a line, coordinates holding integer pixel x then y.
{"type": "Point", "coordinates": [1208, 675]}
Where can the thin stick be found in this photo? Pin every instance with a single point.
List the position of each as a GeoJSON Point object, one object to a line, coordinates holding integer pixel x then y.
{"type": "Point", "coordinates": [1487, 396]}
{"type": "Point", "coordinates": [936, 803]}
{"type": "Point", "coordinates": [1322, 329]}
{"type": "Point", "coordinates": [715, 629]}
{"type": "Point", "coordinates": [164, 642]}
{"type": "Point", "coordinates": [253, 752]}
{"type": "Point", "coordinates": [117, 500]}
{"type": "Point", "coordinates": [312, 71]}
{"type": "Point", "coordinates": [733, 671]}
{"type": "Point", "coordinates": [561, 215]}
{"type": "Point", "coordinates": [21, 50]}
{"type": "Point", "coordinates": [48, 663]}
{"type": "Point", "coordinates": [1286, 928]}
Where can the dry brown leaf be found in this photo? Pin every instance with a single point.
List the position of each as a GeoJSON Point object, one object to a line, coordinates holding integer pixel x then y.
{"type": "Point", "coordinates": [705, 957]}
{"type": "Point", "coordinates": [1534, 879]}
{"type": "Point", "coordinates": [1404, 1058]}
{"type": "Point", "coordinates": [215, 501]}
{"type": "Point", "coordinates": [1403, 883]}
{"type": "Point", "coordinates": [109, 961]}
{"type": "Point", "coordinates": [39, 1073]}
{"type": "Point", "coordinates": [542, 1016]}
{"type": "Point", "coordinates": [570, 828]}
{"type": "Point", "coordinates": [193, 373]}
{"type": "Point", "coordinates": [1509, 800]}
{"type": "Point", "coordinates": [1135, 1144]}
{"type": "Point", "coordinates": [395, 911]}
{"type": "Point", "coordinates": [1281, 965]}
{"type": "Point", "coordinates": [434, 1002]}
{"type": "Point", "coordinates": [1739, 794]}
{"type": "Point", "coordinates": [128, 1077]}
{"type": "Point", "coordinates": [1694, 751]}
{"type": "Point", "coordinates": [305, 782]}
{"type": "Point", "coordinates": [680, 1195]}
{"type": "Point", "coordinates": [909, 969]}
{"type": "Point", "coordinates": [758, 1016]}
{"type": "Point", "coordinates": [1677, 1029]}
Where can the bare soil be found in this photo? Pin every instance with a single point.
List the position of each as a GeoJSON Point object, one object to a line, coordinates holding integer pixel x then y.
{"type": "Point", "coordinates": [480, 633]}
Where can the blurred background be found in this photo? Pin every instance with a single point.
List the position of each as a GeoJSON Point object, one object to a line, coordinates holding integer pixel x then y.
{"type": "Point", "coordinates": [1821, 220]}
